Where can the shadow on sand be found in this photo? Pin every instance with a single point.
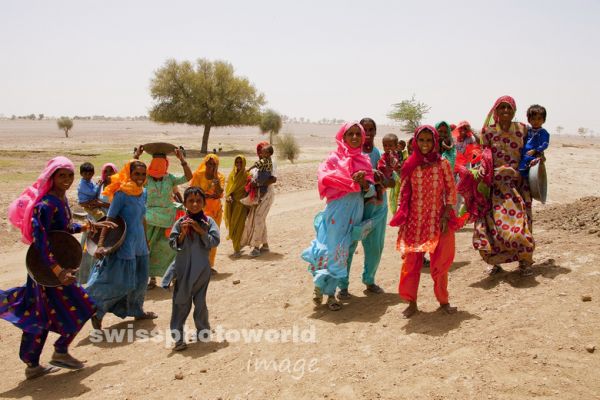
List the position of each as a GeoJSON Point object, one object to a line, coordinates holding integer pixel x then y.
{"type": "Point", "coordinates": [547, 269]}
{"type": "Point", "coordinates": [358, 309]}
{"type": "Point", "coordinates": [436, 323]}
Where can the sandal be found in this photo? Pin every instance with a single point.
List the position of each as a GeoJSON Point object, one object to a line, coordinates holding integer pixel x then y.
{"type": "Point", "coordinates": [494, 270]}
{"type": "Point", "coordinates": [147, 315]}
{"type": "Point", "coordinates": [344, 294]}
{"type": "Point", "coordinates": [65, 360]}
{"type": "Point", "coordinates": [317, 296]}
{"type": "Point", "coordinates": [151, 284]}
{"type": "Point", "coordinates": [373, 288]}
{"type": "Point", "coordinates": [96, 323]}
{"type": "Point", "coordinates": [40, 370]}
{"type": "Point", "coordinates": [525, 269]}
{"type": "Point", "coordinates": [180, 346]}
{"type": "Point", "coordinates": [333, 304]}
{"type": "Point", "coordinates": [255, 252]}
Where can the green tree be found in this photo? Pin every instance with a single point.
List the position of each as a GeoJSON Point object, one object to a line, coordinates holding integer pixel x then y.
{"type": "Point", "coordinates": [66, 124]}
{"type": "Point", "coordinates": [409, 113]}
{"type": "Point", "coordinates": [205, 93]}
{"type": "Point", "coordinates": [270, 122]}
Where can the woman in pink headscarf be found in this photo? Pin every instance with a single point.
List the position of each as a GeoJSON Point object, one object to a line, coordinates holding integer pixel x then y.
{"type": "Point", "coordinates": [345, 180]}
{"type": "Point", "coordinates": [38, 309]}
{"type": "Point", "coordinates": [503, 234]}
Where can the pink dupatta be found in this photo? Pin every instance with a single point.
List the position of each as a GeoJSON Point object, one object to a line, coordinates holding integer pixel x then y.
{"type": "Point", "coordinates": [20, 210]}
{"type": "Point", "coordinates": [335, 173]}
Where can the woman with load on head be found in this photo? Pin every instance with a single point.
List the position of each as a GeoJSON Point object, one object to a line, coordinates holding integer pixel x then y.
{"type": "Point", "coordinates": [160, 209]}
{"type": "Point", "coordinates": [38, 309]}
{"type": "Point", "coordinates": [119, 280]}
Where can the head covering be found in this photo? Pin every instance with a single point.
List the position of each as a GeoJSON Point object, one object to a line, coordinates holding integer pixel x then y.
{"type": "Point", "coordinates": [416, 159]}
{"type": "Point", "coordinates": [448, 128]}
{"type": "Point", "coordinates": [158, 167]}
{"type": "Point", "coordinates": [122, 182]}
{"type": "Point", "coordinates": [260, 146]}
{"type": "Point", "coordinates": [493, 114]}
{"type": "Point", "coordinates": [335, 173]}
{"type": "Point", "coordinates": [462, 124]}
{"type": "Point", "coordinates": [21, 209]}
{"type": "Point", "coordinates": [105, 168]}
{"type": "Point", "coordinates": [199, 177]}
{"type": "Point", "coordinates": [237, 178]}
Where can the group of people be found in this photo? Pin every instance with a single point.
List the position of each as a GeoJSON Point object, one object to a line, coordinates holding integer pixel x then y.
{"type": "Point", "coordinates": [426, 179]}
{"type": "Point", "coordinates": [179, 240]}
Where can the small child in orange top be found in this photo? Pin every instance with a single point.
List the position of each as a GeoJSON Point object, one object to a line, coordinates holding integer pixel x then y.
{"type": "Point", "coordinates": [426, 219]}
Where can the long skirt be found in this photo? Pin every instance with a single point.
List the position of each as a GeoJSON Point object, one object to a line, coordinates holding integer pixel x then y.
{"type": "Point", "coordinates": [119, 286]}
{"type": "Point", "coordinates": [505, 234]}
{"type": "Point", "coordinates": [161, 254]}
{"type": "Point", "coordinates": [255, 229]}
{"type": "Point", "coordinates": [328, 253]}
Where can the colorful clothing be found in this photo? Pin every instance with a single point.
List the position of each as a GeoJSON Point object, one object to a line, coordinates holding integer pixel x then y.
{"type": "Point", "coordinates": [235, 211]}
{"type": "Point", "coordinates": [449, 155]}
{"type": "Point", "coordinates": [213, 207]}
{"type": "Point", "coordinates": [118, 282]}
{"type": "Point", "coordinates": [339, 225]}
{"type": "Point", "coordinates": [37, 309]}
{"type": "Point", "coordinates": [538, 140]}
{"type": "Point", "coordinates": [375, 217]}
{"type": "Point", "coordinates": [160, 216]}
{"type": "Point", "coordinates": [121, 182]}
{"type": "Point", "coordinates": [427, 189]}
{"type": "Point", "coordinates": [504, 234]}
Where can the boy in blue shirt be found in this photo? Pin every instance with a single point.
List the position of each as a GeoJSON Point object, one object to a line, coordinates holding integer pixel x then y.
{"type": "Point", "coordinates": [88, 191]}
{"type": "Point", "coordinates": [537, 139]}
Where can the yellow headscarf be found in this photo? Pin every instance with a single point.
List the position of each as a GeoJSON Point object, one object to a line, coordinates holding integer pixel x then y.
{"type": "Point", "coordinates": [121, 181]}
{"type": "Point", "coordinates": [236, 179]}
{"type": "Point", "coordinates": [199, 177]}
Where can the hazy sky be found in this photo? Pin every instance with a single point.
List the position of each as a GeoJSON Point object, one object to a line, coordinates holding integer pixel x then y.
{"type": "Point", "coordinates": [333, 59]}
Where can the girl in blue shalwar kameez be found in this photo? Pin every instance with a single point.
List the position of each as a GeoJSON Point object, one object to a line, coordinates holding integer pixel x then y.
{"type": "Point", "coordinates": [119, 281]}
{"type": "Point", "coordinates": [345, 179]}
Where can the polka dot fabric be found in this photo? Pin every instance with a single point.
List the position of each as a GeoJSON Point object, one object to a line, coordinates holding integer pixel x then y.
{"type": "Point", "coordinates": [505, 234]}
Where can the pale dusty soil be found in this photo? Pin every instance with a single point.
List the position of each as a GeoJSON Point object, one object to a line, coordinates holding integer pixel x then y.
{"type": "Point", "coordinates": [513, 338]}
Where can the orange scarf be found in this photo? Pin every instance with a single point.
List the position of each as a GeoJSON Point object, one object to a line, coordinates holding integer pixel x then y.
{"type": "Point", "coordinates": [121, 181]}
{"type": "Point", "coordinates": [213, 207]}
{"type": "Point", "coordinates": [158, 167]}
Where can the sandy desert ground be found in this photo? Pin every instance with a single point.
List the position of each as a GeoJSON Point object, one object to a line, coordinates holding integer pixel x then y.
{"type": "Point", "coordinates": [513, 337]}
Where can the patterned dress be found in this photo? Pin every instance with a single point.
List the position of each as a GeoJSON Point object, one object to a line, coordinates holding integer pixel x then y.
{"type": "Point", "coordinates": [432, 188]}
{"type": "Point", "coordinates": [505, 234]}
{"type": "Point", "coordinates": [38, 309]}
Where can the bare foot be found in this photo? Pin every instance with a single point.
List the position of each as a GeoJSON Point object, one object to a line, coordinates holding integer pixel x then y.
{"type": "Point", "coordinates": [410, 310]}
{"type": "Point", "coordinates": [40, 370]}
{"type": "Point", "coordinates": [448, 309]}
{"type": "Point", "coordinates": [317, 296]}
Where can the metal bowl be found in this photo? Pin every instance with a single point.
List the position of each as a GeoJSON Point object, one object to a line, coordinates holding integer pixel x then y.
{"type": "Point", "coordinates": [112, 241]}
{"type": "Point", "coordinates": [538, 182]}
{"type": "Point", "coordinates": [66, 251]}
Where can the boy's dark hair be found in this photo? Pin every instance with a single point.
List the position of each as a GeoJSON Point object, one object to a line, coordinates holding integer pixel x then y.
{"type": "Point", "coordinates": [135, 164]}
{"type": "Point", "coordinates": [269, 149]}
{"type": "Point", "coordinates": [536, 109]}
{"type": "Point", "coordinates": [86, 167]}
{"type": "Point", "coordinates": [390, 136]}
{"type": "Point", "coordinates": [402, 142]}
{"type": "Point", "coordinates": [193, 190]}
{"type": "Point", "coordinates": [367, 119]}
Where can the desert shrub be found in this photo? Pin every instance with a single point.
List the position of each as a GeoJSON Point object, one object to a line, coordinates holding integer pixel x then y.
{"type": "Point", "coordinates": [287, 147]}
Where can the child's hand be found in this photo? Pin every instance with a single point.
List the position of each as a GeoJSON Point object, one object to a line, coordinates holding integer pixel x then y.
{"type": "Point", "coordinates": [196, 227]}
{"type": "Point", "coordinates": [359, 177]}
{"type": "Point", "coordinates": [531, 153]}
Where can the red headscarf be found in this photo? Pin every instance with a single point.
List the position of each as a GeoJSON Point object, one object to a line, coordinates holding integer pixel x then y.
{"type": "Point", "coordinates": [260, 146]}
{"type": "Point", "coordinates": [335, 173]}
{"type": "Point", "coordinates": [416, 159]}
{"type": "Point", "coordinates": [493, 114]}
{"type": "Point", "coordinates": [461, 124]}
{"type": "Point", "coordinates": [158, 167]}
